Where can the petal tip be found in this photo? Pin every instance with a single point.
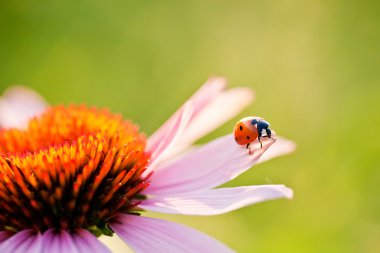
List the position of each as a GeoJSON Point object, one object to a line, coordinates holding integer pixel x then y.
{"type": "Point", "coordinates": [288, 193]}
{"type": "Point", "coordinates": [216, 79]}
{"type": "Point", "coordinates": [287, 146]}
{"type": "Point", "coordinates": [245, 93]}
{"type": "Point", "coordinates": [18, 104]}
{"type": "Point", "coordinates": [22, 91]}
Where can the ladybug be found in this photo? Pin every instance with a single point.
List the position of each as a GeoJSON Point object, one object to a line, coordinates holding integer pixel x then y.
{"type": "Point", "coordinates": [248, 129]}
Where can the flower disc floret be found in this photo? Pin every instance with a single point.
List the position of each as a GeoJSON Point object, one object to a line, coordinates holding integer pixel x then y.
{"type": "Point", "coordinates": [73, 167]}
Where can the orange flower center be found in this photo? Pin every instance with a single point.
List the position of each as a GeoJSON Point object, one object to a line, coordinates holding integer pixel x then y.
{"type": "Point", "coordinates": [71, 168]}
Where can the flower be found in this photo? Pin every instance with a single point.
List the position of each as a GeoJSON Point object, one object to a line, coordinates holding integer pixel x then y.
{"type": "Point", "coordinates": [74, 173]}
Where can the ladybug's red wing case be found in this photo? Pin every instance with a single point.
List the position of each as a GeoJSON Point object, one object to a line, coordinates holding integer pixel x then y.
{"type": "Point", "coordinates": [245, 134]}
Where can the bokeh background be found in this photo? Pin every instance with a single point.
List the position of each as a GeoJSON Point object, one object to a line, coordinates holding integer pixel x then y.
{"type": "Point", "coordinates": [313, 64]}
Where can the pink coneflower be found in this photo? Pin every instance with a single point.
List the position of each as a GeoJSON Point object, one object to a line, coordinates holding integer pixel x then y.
{"type": "Point", "coordinates": [74, 173]}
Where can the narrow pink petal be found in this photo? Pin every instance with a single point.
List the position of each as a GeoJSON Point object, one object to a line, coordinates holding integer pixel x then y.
{"type": "Point", "coordinates": [174, 131]}
{"type": "Point", "coordinates": [61, 241]}
{"type": "Point", "coordinates": [53, 240]}
{"type": "Point", "coordinates": [32, 244]}
{"type": "Point", "coordinates": [212, 106]}
{"type": "Point", "coordinates": [17, 105]}
{"type": "Point", "coordinates": [23, 241]}
{"type": "Point", "coordinates": [222, 108]}
{"type": "Point", "coordinates": [210, 89]}
{"type": "Point", "coordinates": [145, 234]}
{"type": "Point", "coordinates": [209, 166]}
{"type": "Point", "coordinates": [164, 136]}
{"type": "Point", "coordinates": [281, 147]}
{"type": "Point", "coordinates": [87, 242]}
{"type": "Point", "coordinates": [217, 201]}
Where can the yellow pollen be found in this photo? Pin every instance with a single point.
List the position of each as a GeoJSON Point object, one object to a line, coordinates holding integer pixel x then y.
{"type": "Point", "coordinates": [72, 167]}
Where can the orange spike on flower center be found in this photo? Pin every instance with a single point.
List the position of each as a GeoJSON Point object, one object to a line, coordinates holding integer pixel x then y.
{"type": "Point", "coordinates": [71, 168]}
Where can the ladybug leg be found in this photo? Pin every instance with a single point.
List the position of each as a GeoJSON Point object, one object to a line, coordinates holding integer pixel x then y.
{"type": "Point", "coordinates": [250, 150]}
{"type": "Point", "coordinates": [260, 128]}
{"type": "Point", "coordinates": [259, 138]}
{"type": "Point", "coordinates": [269, 132]}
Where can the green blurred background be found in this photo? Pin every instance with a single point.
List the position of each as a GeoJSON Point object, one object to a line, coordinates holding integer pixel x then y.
{"type": "Point", "coordinates": [313, 64]}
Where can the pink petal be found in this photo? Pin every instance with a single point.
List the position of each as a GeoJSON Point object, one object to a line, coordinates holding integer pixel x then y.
{"type": "Point", "coordinates": [23, 241]}
{"type": "Point", "coordinates": [173, 131]}
{"type": "Point", "coordinates": [210, 89]}
{"type": "Point", "coordinates": [211, 107]}
{"type": "Point", "coordinates": [217, 201]}
{"type": "Point", "coordinates": [209, 166]}
{"type": "Point", "coordinates": [219, 110]}
{"type": "Point", "coordinates": [145, 234]}
{"type": "Point", "coordinates": [55, 240]}
{"type": "Point", "coordinates": [87, 242]}
{"type": "Point", "coordinates": [280, 147]}
{"type": "Point", "coordinates": [17, 105]}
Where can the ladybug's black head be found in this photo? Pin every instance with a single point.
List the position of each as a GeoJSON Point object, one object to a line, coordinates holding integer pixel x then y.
{"type": "Point", "coordinates": [254, 122]}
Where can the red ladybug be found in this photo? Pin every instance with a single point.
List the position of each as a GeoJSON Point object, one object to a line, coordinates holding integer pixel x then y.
{"type": "Point", "coordinates": [248, 129]}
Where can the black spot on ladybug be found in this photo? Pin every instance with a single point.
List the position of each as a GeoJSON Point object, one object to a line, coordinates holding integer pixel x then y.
{"type": "Point", "coordinates": [248, 137]}
{"type": "Point", "coordinates": [241, 128]}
